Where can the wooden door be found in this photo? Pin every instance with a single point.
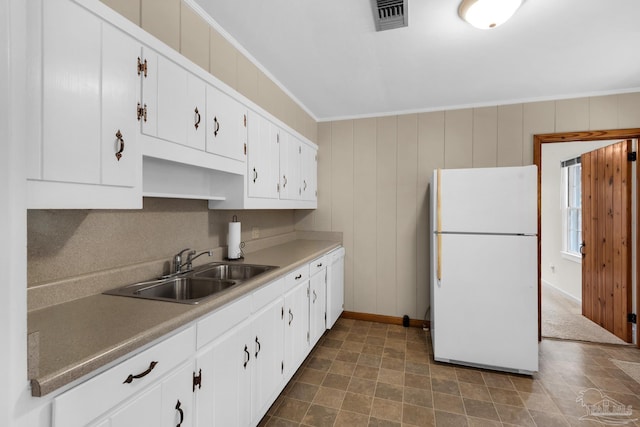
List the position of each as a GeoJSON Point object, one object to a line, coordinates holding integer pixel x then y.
{"type": "Point", "coordinates": [606, 230]}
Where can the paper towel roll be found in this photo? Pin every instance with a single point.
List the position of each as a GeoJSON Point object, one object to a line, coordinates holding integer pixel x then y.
{"type": "Point", "coordinates": [233, 241]}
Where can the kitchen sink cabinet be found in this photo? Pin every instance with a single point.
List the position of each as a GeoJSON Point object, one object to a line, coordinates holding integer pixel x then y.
{"type": "Point", "coordinates": [225, 369]}
{"type": "Point", "coordinates": [225, 394]}
{"type": "Point", "coordinates": [86, 153]}
{"type": "Point", "coordinates": [242, 371]}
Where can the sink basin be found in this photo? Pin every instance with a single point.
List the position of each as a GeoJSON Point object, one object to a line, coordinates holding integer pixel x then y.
{"type": "Point", "coordinates": [184, 288]}
{"type": "Point", "coordinates": [193, 287]}
{"type": "Point", "coordinates": [233, 271]}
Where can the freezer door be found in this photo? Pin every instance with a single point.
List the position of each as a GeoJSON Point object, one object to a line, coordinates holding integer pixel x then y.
{"type": "Point", "coordinates": [489, 200]}
{"type": "Point", "coordinates": [485, 307]}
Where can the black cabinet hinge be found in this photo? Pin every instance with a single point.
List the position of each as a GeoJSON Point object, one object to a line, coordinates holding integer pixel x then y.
{"type": "Point", "coordinates": [197, 380]}
{"type": "Point", "coordinates": [631, 317]}
{"type": "Point", "coordinates": [632, 156]}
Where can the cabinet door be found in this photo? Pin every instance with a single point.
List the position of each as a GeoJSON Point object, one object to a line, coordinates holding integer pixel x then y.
{"type": "Point", "coordinates": [144, 410]}
{"type": "Point", "coordinates": [225, 396]}
{"type": "Point", "coordinates": [226, 125]}
{"type": "Point", "coordinates": [296, 315]}
{"type": "Point", "coordinates": [290, 164]}
{"type": "Point", "coordinates": [195, 112]}
{"type": "Point", "coordinates": [317, 306]}
{"type": "Point", "coordinates": [172, 101]}
{"type": "Point", "coordinates": [309, 173]}
{"type": "Point", "coordinates": [120, 95]}
{"type": "Point", "coordinates": [262, 157]}
{"type": "Point", "coordinates": [177, 398]}
{"type": "Point", "coordinates": [268, 357]}
{"type": "Point", "coordinates": [71, 93]}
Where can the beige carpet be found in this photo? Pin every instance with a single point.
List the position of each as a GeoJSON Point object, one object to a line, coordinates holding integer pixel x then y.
{"type": "Point", "coordinates": [562, 318]}
{"type": "Point", "coordinates": [630, 368]}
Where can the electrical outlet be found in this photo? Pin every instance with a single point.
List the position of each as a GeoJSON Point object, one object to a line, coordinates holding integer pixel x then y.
{"type": "Point", "coordinates": [255, 232]}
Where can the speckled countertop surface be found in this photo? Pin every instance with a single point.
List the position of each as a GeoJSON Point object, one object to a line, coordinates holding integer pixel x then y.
{"type": "Point", "coordinates": [79, 337]}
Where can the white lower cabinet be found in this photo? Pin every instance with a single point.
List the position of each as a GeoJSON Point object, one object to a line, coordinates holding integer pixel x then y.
{"type": "Point", "coordinates": [143, 410]}
{"type": "Point", "coordinates": [296, 314]}
{"type": "Point", "coordinates": [317, 300]}
{"type": "Point", "coordinates": [242, 371]}
{"type": "Point", "coordinates": [225, 394]}
{"type": "Point", "coordinates": [268, 358]}
{"type": "Point", "coordinates": [225, 370]}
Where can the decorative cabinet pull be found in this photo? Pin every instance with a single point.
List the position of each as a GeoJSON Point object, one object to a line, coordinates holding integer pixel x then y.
{"type": "Point", "coordinates": [305, 184]}
{"type": "Point", "coordinates": [216, 126]}
{"type": "Point", "coordinates": [255, 175]}
{"type": "Point", "coordinates": [284, 177]}
{"type": "Point", "coordinates": [181, 412]}
{"type": "Point", "coordinates": [121, 143]}
{"type": "Point", "coordinates": [298, 277]}
{"type": "Point", "coordinates": [315, 296]}
{"type": "Point", "coordinates": [258, 348]}
{"type": "Point", "coordinates": [130, 378]}
{"type": "Point", "coordinates": [290, 317]}
{"type": "Point", "coordinates": [581, 249]}
{"type": "Point", "coordinates": [319, 265]}
{"type": "Point", "coordinates": [246, 351]}
{"type": "Point", "coordinates": [197, 117]}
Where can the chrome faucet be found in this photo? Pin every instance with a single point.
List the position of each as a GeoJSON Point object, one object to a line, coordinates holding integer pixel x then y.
{"type": "Point", "coordinates": [177, 260]}
{"type": "Point", "coordinates": [191, 257]}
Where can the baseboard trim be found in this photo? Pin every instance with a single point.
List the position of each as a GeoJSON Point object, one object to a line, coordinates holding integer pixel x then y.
{"type": "Point", "coordinates": [380, 318]}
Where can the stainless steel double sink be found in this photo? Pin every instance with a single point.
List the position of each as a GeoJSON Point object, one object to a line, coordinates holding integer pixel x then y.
{"type": "Point", "coordinates": [194, 286]}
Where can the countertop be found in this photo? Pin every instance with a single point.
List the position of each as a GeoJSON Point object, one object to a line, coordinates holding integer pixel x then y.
{"type": "Point", "coordinates": [79, 337]}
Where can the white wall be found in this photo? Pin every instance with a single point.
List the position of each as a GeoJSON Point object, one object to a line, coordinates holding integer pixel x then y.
{"type": "Point", "coordinates": [558, 271]}
{"type": "Point", "coordinates": [374, 173]}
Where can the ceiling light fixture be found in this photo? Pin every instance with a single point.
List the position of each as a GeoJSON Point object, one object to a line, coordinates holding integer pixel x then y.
{"type": "Point", "coordinates": [486, 14]}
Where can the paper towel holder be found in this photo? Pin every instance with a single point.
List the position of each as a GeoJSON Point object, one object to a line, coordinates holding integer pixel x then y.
{"type": "Point", "coordinates": [234, 218]}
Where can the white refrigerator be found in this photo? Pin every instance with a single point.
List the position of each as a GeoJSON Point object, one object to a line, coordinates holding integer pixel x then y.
{"type": "Point", "coordinates": [484, 290]}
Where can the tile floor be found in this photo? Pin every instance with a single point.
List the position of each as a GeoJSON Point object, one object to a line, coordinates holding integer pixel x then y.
{"type": "Point", "coordinates": [372, 374]}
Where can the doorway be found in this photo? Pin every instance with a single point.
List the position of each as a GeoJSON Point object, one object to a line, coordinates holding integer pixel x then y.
{"type": "Point", "coordinates": [577, 137]}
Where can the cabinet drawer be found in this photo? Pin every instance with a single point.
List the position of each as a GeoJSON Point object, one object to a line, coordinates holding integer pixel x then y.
{"type": "Point", "coordinates": [318, 265]}
{"type": "Point", "coordinates": [299, 275]}
{"type": "Point", "coordinates": [266, 294]}
{"type": "Point", "coordinates": [217, 323]}
{"type": "Point", "coordinates": [92, 398]}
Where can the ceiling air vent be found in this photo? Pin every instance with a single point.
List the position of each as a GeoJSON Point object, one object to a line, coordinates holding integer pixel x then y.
{"type": "Point", "coordinates": [390, 14]}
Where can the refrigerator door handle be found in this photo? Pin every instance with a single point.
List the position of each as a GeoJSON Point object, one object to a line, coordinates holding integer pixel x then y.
{"type": "Point", "coordinates": [439, 225]}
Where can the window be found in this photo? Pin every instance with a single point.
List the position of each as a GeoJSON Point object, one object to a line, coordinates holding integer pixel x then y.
{"type": "Point", "coordinates": [572, 208]}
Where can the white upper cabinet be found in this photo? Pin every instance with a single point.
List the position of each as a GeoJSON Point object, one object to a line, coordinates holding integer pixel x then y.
{"type": "Point", "coordinates": [195, 112]}
{"type": "Point", "coordinates": [117, 115]}
{"type": "Point", "coordinates": [226, 125]}
{"type": "Point", "coordinates": [71, 94]}
{"type": "Point", "coordinates": [262, 158]}
{"type": "Point", "coordinates": [309, 173]}
{"type": "Point", "coordinates": [290, 166]}
{"type": "Point", "coordinates": [88, 152]}
{"type": "Point", "coordinates": [172, 101]}
{"type": "Point", "coordinates": [120, 88]}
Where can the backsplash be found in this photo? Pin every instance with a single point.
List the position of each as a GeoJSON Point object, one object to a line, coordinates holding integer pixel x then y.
{"type": "Point", "coordinates": [65, 244]}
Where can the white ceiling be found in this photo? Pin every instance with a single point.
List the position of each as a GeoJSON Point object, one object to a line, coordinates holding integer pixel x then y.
{"type": "Point", "coordinates": [329, 57]}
